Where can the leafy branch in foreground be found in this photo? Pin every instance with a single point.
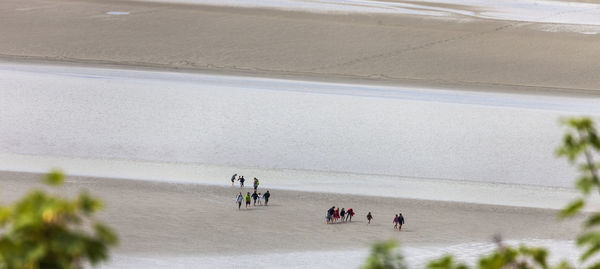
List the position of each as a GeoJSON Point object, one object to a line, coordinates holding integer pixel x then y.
{"type": "Point", "coordinates": [580, 144]}
{"type": "Point", "coordinates": [46, 231]}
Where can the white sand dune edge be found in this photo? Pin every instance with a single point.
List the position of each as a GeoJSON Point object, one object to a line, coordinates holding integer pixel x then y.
{"type": "Point", "coordinates": [302, 180]}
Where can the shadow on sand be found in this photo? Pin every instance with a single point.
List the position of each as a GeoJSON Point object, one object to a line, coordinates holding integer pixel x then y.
{"type": "Point", "coordinates": [344, 222]}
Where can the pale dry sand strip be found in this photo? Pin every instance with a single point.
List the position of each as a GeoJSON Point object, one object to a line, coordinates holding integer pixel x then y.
{"type": "Point", "coordinates": [501, 55]}
{"type": "Point", "coordinates": [156, 218]}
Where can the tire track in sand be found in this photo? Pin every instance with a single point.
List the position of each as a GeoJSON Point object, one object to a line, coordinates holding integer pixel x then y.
{"type": "Point", "coordinates": [415, 47]}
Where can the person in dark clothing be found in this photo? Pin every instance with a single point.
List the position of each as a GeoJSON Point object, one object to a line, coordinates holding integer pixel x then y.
{"type": "Point", "coordinates": [342, 214]}
{"type": "Point", "coordinates": [349, 214]}
{"type": "Point", "coordinates": [242, 179]}
{"type": "Point", "coordinates": [400, 222]}
{"type": "Point", "coordinates": [233, 179]}
{"type": "Point", "coordinates": [266, 197]}
{"type": "Point", "coordinates": [369, 217]}
{"type": "Point", "coordinates": [330, 214]}
{"type": "Point", "coordinates": [254, 197]}
{"type": "Point", "coordinates": [255, 184]}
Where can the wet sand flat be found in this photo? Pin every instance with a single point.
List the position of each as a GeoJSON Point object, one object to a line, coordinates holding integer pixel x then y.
{"type": "Point", "coordinates": [154, 218]}
{"type": "Point", "coordinates": [460, 52]}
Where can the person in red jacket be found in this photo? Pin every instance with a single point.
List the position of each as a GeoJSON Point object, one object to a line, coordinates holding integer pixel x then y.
{"type": "Point", "coordinates": [349, 214]}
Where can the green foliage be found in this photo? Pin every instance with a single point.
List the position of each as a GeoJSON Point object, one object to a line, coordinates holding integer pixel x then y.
{"type": "Point", "coordinates": [446, 262]}
{"type": "Point", "coordinates": [54, 178]}
{"type": "Point", "coordinates": [46, 231]}
{"type": "Point", "coordinates": [579, 139]}
{"type": "Point", "coordinates": [581, 143]}
{"type": "Point", "coordinates": [521, 257]}
{"type": "Point", "coordinates": [572, 208]}
{"type": "Point", "coordinates": [585, 184]}
{"type": "Point", "coordinates": [385, 255]}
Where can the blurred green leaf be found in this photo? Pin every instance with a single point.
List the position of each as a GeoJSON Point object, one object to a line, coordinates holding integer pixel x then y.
{"type": "Point", "coordinates": [54, 178]}
{"type": "Point", "coordinates": [539, 255]}
{"type": "Point", "coordinates": [446, 262]}
{"type": "Point", "coordinates": [593, 249]}
{"type": "Point", "coordinates": [105, 234]}
{"type": "Point", "coordinates": [572, 208]}
{"type": "Point", "coordinates": [587, 238]}
{"type": "Point", "coordinates": [564, 265]}
{"type": "Point", "coordinates": [5, 215]}
{"type": "Point", "coordinates": [384, 255]}
{"type": "Point", "coordinates": [594, 266]}
{"type": "Point", "coordinates": [46, 231]}
{"type": "Point", "coordinates": [585, 184]}
{"type": "Point", "coordinates": [88, 204]}
{"type": "Point", "coordinates": [593, 220]}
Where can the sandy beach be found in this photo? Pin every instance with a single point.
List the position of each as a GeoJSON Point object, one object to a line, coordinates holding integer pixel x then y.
{"type": "Point", "coordinates": [152, 103]}
{"type": "Point", "coordinates": [163, 219]}
{"type": "Point", "coordinates": [399, 49]}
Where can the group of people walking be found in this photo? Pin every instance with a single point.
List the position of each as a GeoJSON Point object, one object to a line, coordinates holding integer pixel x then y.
{"type": "Point", "coordinates": [241, 179]}
{"type": "Point", "coordinates": [398, 221]}
{"type": "Point", "coordinates": [335, 215]}
{"type": "Point", "coordinates": [258, 197]}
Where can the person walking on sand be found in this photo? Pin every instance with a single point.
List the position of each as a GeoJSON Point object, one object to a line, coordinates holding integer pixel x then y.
{"type": "Point", "coordinates": [396, 222]}
{"type": "Point", "coordinates": [400, 222]}
{"type": "Point", "coordinates": [239, 200]}
{"type": "Point", "coordinates": [349, 214]}
{"type": "Point", "coordinates": [267, 195]}
{"type": "Point", "coordinates": [255, 197]}
{"type": "Point", "coordinates": [330, 214]}
{"type": "Point", "coordinates": [241, 179]}
{"type": "Point", "coordinates": [342, 214]}
{"type": "Point", "coordinates": [247, 199]}
{"type": "Point", "coordinates": [233, 179]}
{"type": "Point", "coordinates": [369, 217]}
{"type": "Point", "coordinates": [336, 215]}
{"type": "Point", "coordinates": [255, 184]}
